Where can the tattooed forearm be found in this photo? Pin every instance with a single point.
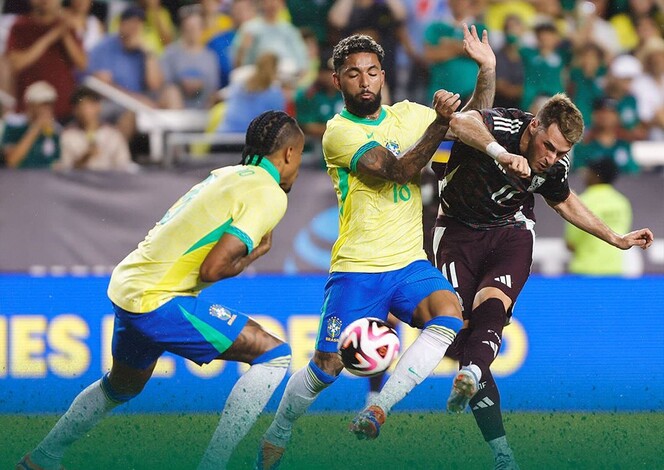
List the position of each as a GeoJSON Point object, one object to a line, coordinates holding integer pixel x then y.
{"type": "Point", "coordinates": [485, 90]}
{"type": "Point", "coordinates": [381, 163]}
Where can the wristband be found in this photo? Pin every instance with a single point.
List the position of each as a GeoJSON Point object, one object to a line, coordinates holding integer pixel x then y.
{"type": "Point", "coordinates": [494, 149]}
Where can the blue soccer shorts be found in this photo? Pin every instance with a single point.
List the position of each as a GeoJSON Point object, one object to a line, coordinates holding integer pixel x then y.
{"type": "Point", "coordinates": [350, 296]}
{"type": "Point", "coordinates": [186, 326]}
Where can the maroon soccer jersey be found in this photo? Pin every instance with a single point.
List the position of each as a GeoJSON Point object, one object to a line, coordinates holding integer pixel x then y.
{"type": "Point", "coordinates": [53, 66]}
{"type": "Point", "coordinates": [478, 192]}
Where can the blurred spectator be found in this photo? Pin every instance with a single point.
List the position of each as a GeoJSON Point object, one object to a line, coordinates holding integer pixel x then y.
{"type": "Point", "coordinates": [384, 21]}
{"type": "Point", "coordinates": [88, 28]}
{"type": "Point", "coordinates": [510, 72]}
{"type": "Point", "coordinates": [497, 14]}
{"type": "Point", "coordinates": [158, 30]}
{"type": "Point", "coordinates": [312, 14]}
{"type": "Point", "coordinates": [545, 64]}
{"type": "Point", "coordinates": [646, 28]}
{"type": "Point", "coordinates": [649, 87]}
{"type": "Point", "coordinates": [319, 103]}
{"type": "Point", "coordinates": [449, 66]}
{"type": "Point", "coordinates": [412, 68]}
{"type": "Point", "coordinates": [43, 46]}
{"type": "Point", "coordinates": [269, 33]}
{"type": "Point", "coordinates": [590, 255]}
{"type": "Point", "coordinates": [123, 61]}
{"type": "Point", "coordinates": [245, 100]}
{"type": "Point", "coordinates": [191, 71]}
{"type": "Point", "coordinates": [601, 140]}
{"type": "Point", "coordinates": [33, 140]}
{"type": "Point", "coordinates": [241, 11]}
{"type": "Point", "coordinates": [592, 25]}
{"type": "Point", "coordinates": [622, 71]}
{"type": "Point", "coordinates": [626, 23]}
{"type": "Point", "coordinates": [586, 78]}
{"type": "Point", "coordinates": [215, 20]}
{"type": "Point", "coordinates": [88, 143]}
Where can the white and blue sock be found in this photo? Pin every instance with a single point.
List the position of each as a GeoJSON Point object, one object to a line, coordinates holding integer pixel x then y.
{"type": "Point", "coordinates": [301, 391]}
{"type": "Point", "coordinates": [247, 399]}
{"type": "Point", "coordinates": [419, 360]}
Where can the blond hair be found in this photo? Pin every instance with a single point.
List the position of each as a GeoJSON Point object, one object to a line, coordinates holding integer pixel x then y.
{"type": "Point", "coordinates": [560, 110]}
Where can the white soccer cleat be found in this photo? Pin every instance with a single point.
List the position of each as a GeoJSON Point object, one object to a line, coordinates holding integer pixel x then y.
{"type": "Point", "coordinates": [464, 387]}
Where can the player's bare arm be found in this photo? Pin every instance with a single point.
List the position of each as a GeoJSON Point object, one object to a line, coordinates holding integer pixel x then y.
{"type": "Point", "coordinates": [469, 128]}
{"type": "Point", "coordinates": [480, 51]}
{"type": "Point", "coordinates": [382, 163]}
{"type": "Point", "coordinates": [229, 257]}
{"type": "Point", "coordinates": [575, 212]}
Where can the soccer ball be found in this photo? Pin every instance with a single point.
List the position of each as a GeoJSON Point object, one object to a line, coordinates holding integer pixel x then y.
{"type": "Point", "coordinates": [368, 346]}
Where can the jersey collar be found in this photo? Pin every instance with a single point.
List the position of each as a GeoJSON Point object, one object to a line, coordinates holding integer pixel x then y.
{"type": "Point", "coordinates": [370, 122]}
{"type": "Point", "coordinates": [267, 165]}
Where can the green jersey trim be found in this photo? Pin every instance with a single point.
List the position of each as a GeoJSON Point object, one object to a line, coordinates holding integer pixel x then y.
{"type": "Point", "coordinates": [267, 165]}
{"type": "Point", "coordinates": [361, 151]}
{"type": "Point", "coordinates": [211, 237]}
{"type": "Point", "coordinates": [343, 186]}
{"type": "Point", "coordinates": [220, 342]}
{"type": "Point", "coordinates": [360, 120]}
{"type": "Point", "coordinates": [244, 238]}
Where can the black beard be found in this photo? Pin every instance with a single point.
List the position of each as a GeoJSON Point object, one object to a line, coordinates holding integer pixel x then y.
{"type": "Point", "coordinates": [362, 108]}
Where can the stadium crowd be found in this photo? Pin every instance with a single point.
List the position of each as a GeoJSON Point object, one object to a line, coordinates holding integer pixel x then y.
{"type": "Point", "coordinates": [234, 59]}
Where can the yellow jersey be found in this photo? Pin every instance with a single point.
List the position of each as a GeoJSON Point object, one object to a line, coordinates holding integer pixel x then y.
{"type": "Point", "coordinates": [380, 221]}
{"type": "Point", "coordinates": [243, 200]}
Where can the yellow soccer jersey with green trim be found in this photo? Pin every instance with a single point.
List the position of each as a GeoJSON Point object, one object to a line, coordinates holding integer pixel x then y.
{"type": "Point", "coordinates": [245, 201]}
{"type": "Point", "coordinates": [380, 222]}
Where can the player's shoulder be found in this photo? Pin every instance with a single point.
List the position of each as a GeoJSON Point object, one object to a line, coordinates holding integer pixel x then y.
{"type": "Point", "coordinates": [406, 106]}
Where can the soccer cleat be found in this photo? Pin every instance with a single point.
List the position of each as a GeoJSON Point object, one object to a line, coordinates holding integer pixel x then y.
{"type": "Point", "coordinates": [463, 388]}
{"type": "Point", "coordinates": [505, 462]}
{"type": "Point", "coordinates": [269, 456]}
{"type": "Point", "coordinates": [366, 425]}
{"type": "Point", "coordinates": [27, 464]}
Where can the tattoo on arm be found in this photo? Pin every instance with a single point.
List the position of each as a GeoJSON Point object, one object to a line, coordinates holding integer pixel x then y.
{"type": "Point", "coordinates": [381, 163]}
{"type": "Point", "coordinates": [485, 90]}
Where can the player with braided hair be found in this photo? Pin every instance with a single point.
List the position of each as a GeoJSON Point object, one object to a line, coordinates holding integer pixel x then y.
{"type": "Point", "coordinates": [211, 233]}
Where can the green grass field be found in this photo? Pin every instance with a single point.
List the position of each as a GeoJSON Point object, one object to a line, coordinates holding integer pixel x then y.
{"type": "Point", "coordinates": [408, 441]}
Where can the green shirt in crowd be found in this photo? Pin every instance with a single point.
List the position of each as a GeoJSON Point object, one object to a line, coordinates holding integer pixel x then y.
{"type": "Point", "coordinates": [457, 75]}
{"type": "Point", "coordinates": [44, 151]}
{"type": "Point", "coordinates": [620, 152]}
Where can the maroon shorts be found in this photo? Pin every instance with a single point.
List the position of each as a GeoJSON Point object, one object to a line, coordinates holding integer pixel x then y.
{"type": "Point", "coordinates": [473, 259]}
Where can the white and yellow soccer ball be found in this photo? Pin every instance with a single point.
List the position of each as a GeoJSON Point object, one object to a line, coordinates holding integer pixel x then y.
{"type": "Point", "coordinates": [368, 346]}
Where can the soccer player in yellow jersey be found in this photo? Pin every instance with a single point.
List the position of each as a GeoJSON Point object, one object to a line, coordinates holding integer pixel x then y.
{"type": "Point", "coordinates": [213, 232]}
{"type": "Point", "coordinates": [374, 155]}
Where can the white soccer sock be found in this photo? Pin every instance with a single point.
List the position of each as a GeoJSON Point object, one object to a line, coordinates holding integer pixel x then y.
{"type": "Point", "coordinates": [249, 396]}
{"type": "Point", "coordinates": [416, 364]}
{"type": "Point", "coordinates": [301, 391]}
{"type": "Point", "coordinates": [87, 409]}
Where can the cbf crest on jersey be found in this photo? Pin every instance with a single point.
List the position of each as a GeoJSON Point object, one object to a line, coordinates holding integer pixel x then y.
{"type": "Point", "coordinates": [333, 329]}
{"type": "Point", "coordinates": [393, 147]}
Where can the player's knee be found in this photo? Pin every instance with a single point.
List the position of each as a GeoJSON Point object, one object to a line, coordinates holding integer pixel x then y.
{"type": "Point", "coordinates": [279, 356]}
{"type": "Point", "coordinates": [116, 395]}
{"type": "Point", "coordinates": [490, 312]}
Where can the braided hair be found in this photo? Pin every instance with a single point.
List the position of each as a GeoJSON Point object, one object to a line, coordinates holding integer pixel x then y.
{"type": "Point", "coordinates": [267, 133]}
{"type": "Point", "coordinates": [352, 45]}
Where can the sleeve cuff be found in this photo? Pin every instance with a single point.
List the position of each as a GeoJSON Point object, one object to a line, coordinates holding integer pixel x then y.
{"type": "Point", "coordinates": [244, 238]}
{"type": "Point", "coordinates": [361, 151]}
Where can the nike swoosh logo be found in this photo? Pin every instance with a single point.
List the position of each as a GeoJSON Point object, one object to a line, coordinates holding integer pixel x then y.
{"type": "Point", "coordinates": [410, 369]}
{"type": "Point", "coordinates": [370, 136]}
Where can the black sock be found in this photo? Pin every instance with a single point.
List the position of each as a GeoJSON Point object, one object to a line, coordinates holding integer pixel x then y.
{"type": "Point", "coordinates": [481, 348]}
